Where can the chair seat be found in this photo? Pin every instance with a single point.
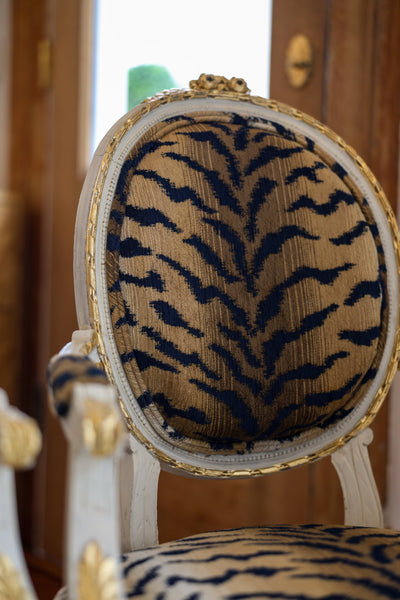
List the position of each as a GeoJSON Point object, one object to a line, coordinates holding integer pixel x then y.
{"type": "Point", "coordinates": [285, 563]}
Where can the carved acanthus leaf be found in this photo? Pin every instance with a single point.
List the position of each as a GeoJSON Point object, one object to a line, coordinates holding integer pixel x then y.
{"type": "Point", "coordinates": [11, 586]}
{"type": "Point", "coordinates": [101, 427]}
{"type": "Point", "coordinates": [97, 576]}
{"type": "Point", "coordinates": [20, 440]}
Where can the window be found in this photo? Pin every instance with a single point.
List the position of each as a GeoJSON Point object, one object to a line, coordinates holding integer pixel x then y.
{"type": "Point", "coordinates": [174, 41]}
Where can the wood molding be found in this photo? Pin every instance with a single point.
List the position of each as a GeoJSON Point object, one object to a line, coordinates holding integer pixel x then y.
{"type": "Point", "coordinates": [5, 89]}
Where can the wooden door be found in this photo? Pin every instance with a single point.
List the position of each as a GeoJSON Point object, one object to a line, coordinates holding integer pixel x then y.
{"type": "Point", "coordinates": [46, 173]}
{"type": "Point", "coordinates": [354, 88]}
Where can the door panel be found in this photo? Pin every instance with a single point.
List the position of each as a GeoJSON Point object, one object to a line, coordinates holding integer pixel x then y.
{"type": "Point", "coordinates": [356, 93]}
{"type": "Point", "coordinates": [290, 18]}
{"type": "Point", "coordinates": [44, 172]}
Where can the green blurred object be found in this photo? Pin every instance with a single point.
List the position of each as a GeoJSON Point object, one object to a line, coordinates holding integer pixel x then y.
{"type": "Point", "coordinates": [147, 80]}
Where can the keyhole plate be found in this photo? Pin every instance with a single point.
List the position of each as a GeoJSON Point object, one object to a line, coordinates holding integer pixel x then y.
{"type": "Point", "coordinates": [299, 60]}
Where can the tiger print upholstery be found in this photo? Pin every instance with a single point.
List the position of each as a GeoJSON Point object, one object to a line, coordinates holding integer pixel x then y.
{"type": "Point", "coordinates": [284, 563]}
{"type": "Point", "coordinates": [246, 286]}
{"type": "Point", "coordinates": [64, 372]}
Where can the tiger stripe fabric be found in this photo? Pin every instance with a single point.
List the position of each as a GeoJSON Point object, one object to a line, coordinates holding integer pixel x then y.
{"type": "Point", "coordinates": [246, 283]}
{"type": "Point", "coordinates": [64, 372]}
{"type": "Point", "coordinates": [302, 562]}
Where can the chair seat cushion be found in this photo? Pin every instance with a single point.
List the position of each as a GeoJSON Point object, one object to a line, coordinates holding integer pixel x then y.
{"type": "Point", "coordinates": [285, 563]}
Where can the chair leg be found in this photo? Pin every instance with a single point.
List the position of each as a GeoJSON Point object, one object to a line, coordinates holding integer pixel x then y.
{"type": "Point", "coordinates": [362, 505]}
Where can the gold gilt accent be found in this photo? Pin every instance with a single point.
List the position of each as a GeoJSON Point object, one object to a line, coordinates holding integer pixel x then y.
{"type": "Point", "coordinates": [218, 83]}
{"type": "Point", "coordinates": [97, 575]}
{"type": "Point", "coordinates": [11, 586]}
{"type": "Point", "coordinates": [101, 427]}
{"type": "Point", "coordinates": [20, 441]}
{"type": "Point", "coordinates": [87, 348]}
{"type": "Point", "coordinates": [199, 90]}
{"type": "Point", "coordinates": [299, 61]}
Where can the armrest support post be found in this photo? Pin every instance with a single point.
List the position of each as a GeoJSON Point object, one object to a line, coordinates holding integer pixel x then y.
{"type": "Point", "coordinates": [361, 499]}
{"type": "Point", "coordinates": [93, 545]}
{"type": "Point", "coordinates": [139, 473]}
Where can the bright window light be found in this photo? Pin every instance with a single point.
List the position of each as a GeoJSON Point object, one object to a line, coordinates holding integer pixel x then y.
{"type": "Point", "coordinates": [224, 37]}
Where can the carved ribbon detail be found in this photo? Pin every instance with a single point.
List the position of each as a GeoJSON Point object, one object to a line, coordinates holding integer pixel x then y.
{"type": "Point", "coordinates": [218, 83]}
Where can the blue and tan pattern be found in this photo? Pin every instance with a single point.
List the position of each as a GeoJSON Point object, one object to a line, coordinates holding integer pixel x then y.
{"type": "Point", "coordinates": [285, 563]}
{"type": "Point", "coordinates": [301, 562]}
{"type": "Point", "coordinates": [270, 562]}
{"type": "Point", "coordinates": [64, 372]}
{"type": "Point", "coordinates": [246, 285]}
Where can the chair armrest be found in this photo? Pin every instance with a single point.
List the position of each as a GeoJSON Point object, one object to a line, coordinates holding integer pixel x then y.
{"type": "Point", "coordinates": [20, 443]}
{"type": "Point", "coordinates": [64, 371]}
{"type": "Point", "coordinates": [87, 404]}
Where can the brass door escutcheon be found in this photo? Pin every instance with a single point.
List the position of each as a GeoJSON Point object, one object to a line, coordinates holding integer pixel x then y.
{"type": "Point", "coordinates": [299, 60]}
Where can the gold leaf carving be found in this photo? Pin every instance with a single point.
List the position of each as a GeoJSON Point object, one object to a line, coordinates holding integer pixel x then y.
{"type": "Point", "coordinates": [20, 441]}
{"type": "Point", "coordinates": [11, 587]}
{"type": "Point", "coordinates": [102, 428]}
{"type": "Point", "coordinates": [97, 575]}
{"type": "Point", "coordinates": [218, 83]}
{"type": "Point", "coordinates": [90, 345]}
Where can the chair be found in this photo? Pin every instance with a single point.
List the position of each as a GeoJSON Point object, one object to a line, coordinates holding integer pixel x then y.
{"type": "Point", "coordinates": [20, 442]}
{"type": "Point", "coordinates": [236, 276]}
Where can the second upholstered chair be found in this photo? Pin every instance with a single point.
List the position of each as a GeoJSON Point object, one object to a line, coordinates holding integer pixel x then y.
{"type": "Point", "coordinates": [20, 443]}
